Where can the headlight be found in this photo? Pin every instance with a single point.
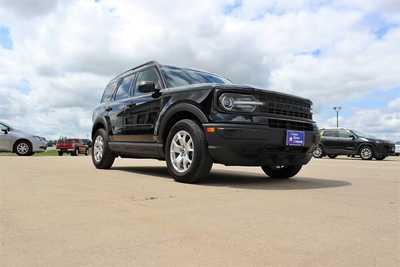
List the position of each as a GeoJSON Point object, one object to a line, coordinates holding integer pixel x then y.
{"type": "Point", "coordinates": [239, 102]}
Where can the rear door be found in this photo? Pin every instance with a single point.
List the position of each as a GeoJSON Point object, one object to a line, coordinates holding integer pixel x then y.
{"type": "Point", "coordinates": [142, 110]}
{"type": "Point", "coordinates": [329, 140]}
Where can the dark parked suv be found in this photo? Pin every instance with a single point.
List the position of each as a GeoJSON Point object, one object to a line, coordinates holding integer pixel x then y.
{"type": "Point", "coordinates": [193, 118]}
{"type": "Point", "coordinates": [336, 142]}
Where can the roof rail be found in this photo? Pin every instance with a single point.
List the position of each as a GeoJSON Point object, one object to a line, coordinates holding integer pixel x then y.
{"type": "Point", "coordinates": [153, 62]}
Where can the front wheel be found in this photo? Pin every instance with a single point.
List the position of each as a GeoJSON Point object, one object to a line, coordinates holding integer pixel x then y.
{"type": "Point", "coordinates": [332, 156]}
{"type": "Point", "coordinates": [366, 153]}
{"type": "Point", "coordinates": [23, 148]}
{"type": "Point", "coordinates": [60, 153]}
{"type": "Point", "coordinates": [102, 156]}
{"type": "Point", "coordinates": [380, 157]}
{"type": "Point", "coordinates": [281, 172]}
{"type": "Point", "coordinates": [188, 159]}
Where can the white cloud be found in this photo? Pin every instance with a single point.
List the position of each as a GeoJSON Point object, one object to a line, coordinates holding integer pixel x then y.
{"type": "Point", "coordinates": [69, 50]}
{"type": "Point", "coordinates": [381, 122]}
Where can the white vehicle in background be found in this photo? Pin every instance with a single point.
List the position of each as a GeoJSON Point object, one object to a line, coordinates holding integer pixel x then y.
{"type": "Point", "coordinates": [19, 142]}
{"type": "Point", "coordinates": [397, 149]}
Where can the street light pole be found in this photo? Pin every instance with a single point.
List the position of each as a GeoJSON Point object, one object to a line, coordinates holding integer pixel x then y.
{"type": "Point", "coordinates": [337, 109]}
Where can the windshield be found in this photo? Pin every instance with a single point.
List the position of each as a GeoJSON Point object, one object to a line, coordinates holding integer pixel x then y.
{"type": "Point", "coordinates": [180, 77]}
{"type": "Point", "coordinates": [360, 134]}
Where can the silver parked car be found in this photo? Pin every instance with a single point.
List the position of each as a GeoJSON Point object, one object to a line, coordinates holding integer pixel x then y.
{"type": "Point", "coordinates": [24, 144]}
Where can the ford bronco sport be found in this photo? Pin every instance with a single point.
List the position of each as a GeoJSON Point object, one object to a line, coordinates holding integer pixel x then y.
{"type": "Point", "coordinates": [193, 118]}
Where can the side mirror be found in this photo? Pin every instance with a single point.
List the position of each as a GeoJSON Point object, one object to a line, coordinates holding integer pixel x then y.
{"type": "Point", "coordinates": [353, 137]}
{"type": "Point", "coordinates": [147, 87]}
{"type": "Point", "coordinates": [5, 131]}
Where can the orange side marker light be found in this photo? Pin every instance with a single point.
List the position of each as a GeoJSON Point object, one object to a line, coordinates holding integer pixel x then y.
{"type": "Point", "coordinates": [210, 130]}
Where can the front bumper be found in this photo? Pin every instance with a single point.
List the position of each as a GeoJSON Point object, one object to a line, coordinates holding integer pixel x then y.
{"type": "Point", "coordinates": [385, 149]}
{"type": "Point", "coordinates": [256, 145]}
{"type": "Point", "coordinates": [39, 147]}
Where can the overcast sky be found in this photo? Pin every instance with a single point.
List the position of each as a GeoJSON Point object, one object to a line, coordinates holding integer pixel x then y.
{"type": "Point", "coordinates": [57, 56]}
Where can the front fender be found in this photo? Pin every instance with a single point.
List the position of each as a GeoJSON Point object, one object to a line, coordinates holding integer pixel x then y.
{"type": "Point", "coordinates": [168, 113]}
{"type": "Point", "coordinates": [101, 122]}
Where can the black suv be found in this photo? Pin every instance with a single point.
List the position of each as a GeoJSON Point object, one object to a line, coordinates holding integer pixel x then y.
{"type": "Point", "coordinates": [193, 118]}
{"type": "Point", "coordinates": [336, 142]}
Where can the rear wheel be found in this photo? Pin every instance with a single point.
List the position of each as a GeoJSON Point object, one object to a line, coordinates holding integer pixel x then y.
{"type": "Point", "coordinates": [318, 152]}
{"type": "Point", "coordinates": [188, 159]}
{"type": "Point", "coordinates": [60, 153]}
{"type": "Point", "coordinates": [380, 157]}
{"type": "Point", "coordinates": [366, 153]}
{"type": "Point", "coordinates": [23, 148]}
{"type": "Point", "coordinates": [332, 156]}
{"type": "Point", "coordinates": [102, 156]}
{"type": "Point", "coordinates": [281, 172]}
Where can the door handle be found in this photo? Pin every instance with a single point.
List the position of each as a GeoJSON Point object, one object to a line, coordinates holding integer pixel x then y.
{"type": "Point", "coordinates": [109, 109]}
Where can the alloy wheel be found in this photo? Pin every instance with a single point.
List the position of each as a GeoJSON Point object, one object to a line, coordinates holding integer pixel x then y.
{"type": "Point", "coordinates": [23, 148]}
{"type": "Point", "coordinates": [317, 153]}
{"type": "Point", "coordinates": [182, 151]}
{"type": "Point", "coordinates": [98, 148]}
{"type": "Point", "coordinates": [366, 153]}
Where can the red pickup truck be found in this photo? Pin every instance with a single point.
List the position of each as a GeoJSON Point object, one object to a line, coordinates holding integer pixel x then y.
{"type": "Point", "coordinates": [72, 146]}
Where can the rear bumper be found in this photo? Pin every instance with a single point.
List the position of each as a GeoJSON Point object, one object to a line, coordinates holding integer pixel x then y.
{"type": "Point", "coordinates": [66, 149]}
{"type": "Point", "coordinates": [256, 145]}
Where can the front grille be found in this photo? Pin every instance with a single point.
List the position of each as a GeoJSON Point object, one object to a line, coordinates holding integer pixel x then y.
{"type": "Point", "coordinates": [285, 105]}
{"type": "Point", "coordinates": [290, 125]}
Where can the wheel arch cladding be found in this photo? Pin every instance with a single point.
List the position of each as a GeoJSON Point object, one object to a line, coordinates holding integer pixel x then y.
{"type": "Point", "coordinates": [176, 113]}
{"type": "Point", "coordinates": [99, 124]}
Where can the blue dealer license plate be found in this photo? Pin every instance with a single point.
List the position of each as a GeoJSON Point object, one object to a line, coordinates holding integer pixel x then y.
{"type": "Point", "coordinates": [294, 138]}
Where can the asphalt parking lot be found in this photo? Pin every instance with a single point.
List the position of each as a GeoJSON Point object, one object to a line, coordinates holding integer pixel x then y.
{"type": "Point", "coordinates": [60, 211]}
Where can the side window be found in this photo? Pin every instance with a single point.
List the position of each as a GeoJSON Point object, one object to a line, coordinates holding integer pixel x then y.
{"type": "Point", "coordinates": [330, 134]}
{"type": "Point", "coordinates": [108, 92]}
{"type": "Point", "coordinates": [3, 127]}
{"type": "Point", "coordinates": [123, 89]}
{"type": "Point", "coordinates": [345, 134]}
{"type": "Point", "coordinates": [147, 75]}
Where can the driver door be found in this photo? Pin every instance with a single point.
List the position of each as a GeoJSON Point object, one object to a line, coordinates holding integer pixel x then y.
{"type": "Point", "coordinates": [5, 138]}
{"type": "Point", "coordinates": [143, 109]}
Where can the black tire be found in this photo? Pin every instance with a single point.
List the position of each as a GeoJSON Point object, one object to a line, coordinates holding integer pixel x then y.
{"type": "Point", "coordinates": [201, 163]}
{"type": "Point", "coordinates": [86, 152]}
{"type": "Point", "coordinates": [60, 153]}
{"type": "Point", "coordinates": [380, 157]}
{"type": "Point", "coordinates": [108, 156]}
{"type": "Point", "coordinates": [331, 156]}
{"type": "Point", "coordinates": [282, 172]}
{"type": "Point", "coordinates": [23, 148]}
{"type": "Point", "coordinates": [318, 152]}
{"type": "Point", "coordinates": [366, 153]}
